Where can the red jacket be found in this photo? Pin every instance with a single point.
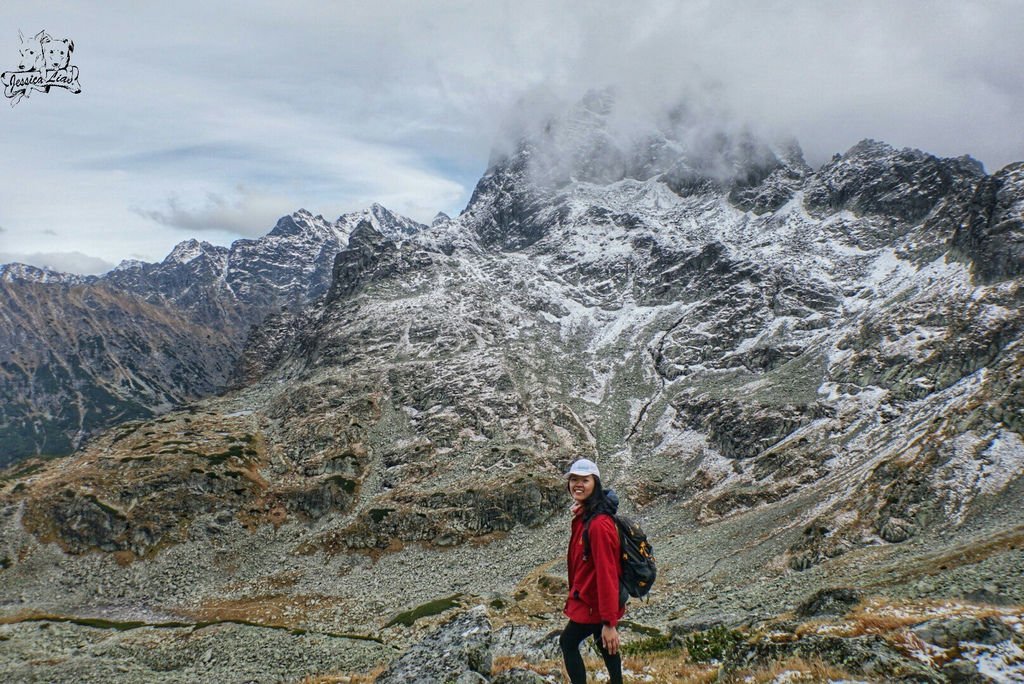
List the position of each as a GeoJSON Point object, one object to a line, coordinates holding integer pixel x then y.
{"type": "Point", "coordinates": [594, 582]}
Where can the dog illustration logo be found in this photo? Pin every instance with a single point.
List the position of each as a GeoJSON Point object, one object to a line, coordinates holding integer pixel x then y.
{"type": "Point", "coordinates": [44, 62]}
{"type": "Point", "coordinates": [57, 53]}
{"type": "Point", "coordinates": [31, 51]}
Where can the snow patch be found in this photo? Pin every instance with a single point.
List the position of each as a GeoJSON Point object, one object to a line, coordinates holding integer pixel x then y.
{"type": "Point", "coordinates": [675, 442]}
{"type": "Point", "coordinates": [185, 252]}
{"type": "Point", "coordinates": [1003, 662]}
{"type": "Point", "coordinates": [886, 266]}
{"type": "Point", "coordinates": [973, 470]}
{"type": "Point", "coordinates": [129, 264]}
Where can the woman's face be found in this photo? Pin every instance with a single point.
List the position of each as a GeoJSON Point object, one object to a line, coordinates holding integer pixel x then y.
{"type": "Point", "coordinates": [581, 487]}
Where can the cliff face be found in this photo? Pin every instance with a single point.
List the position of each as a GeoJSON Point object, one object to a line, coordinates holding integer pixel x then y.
{"type": "Point", "coordinates": [792, 375]}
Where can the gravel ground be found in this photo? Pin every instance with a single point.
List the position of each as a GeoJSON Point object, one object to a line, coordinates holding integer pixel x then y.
{"type": "Point", "coordinates": [61, 652]}
{"type": "Point", "coordinates": [729, 569]}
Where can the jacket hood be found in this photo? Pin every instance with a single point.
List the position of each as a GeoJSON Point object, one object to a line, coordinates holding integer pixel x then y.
{"type": "Point", "coordinates": [609, 503]}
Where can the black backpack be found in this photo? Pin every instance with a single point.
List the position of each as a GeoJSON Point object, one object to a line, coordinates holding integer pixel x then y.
{"type": "Point", "coordinates": [638, 568]}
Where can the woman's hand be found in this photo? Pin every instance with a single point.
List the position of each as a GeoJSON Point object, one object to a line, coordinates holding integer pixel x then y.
{"type": "Point", "coordinates": [610, 639]}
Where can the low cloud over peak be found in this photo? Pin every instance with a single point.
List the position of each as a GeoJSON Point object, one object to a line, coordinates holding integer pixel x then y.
{"type": "Point", "coordinates": [336, 106]}
{"type": "Point", "coordinates": [62, 262]}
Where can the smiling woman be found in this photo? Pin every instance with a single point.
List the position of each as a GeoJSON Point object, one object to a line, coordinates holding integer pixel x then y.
{"type": "Point", "coordinates": [593, 606]}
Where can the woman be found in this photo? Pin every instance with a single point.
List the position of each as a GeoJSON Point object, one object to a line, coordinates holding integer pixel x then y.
{"type": "Point", "coordinates": [593, 607]}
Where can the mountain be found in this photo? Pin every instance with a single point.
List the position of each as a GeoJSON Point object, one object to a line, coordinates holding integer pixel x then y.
{"type": "Point", "coordinates": [800, 380]}
{"type": "Point", "coordinates": [80, 354]}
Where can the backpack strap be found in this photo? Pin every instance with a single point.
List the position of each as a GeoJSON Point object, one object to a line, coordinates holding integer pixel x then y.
{"type": "Point", "coordinates": [586, 532]}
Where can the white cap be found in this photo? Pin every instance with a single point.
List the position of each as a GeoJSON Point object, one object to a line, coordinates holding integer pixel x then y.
{"type": "Point", "coordinates": [584, 466]}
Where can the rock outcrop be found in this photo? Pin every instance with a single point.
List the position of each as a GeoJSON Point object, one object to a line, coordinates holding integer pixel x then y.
{"type": "Point", "coordinates": [458, 651]}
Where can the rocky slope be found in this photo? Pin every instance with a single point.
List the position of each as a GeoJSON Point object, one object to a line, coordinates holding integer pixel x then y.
{"type": "Point", "coordinates": [81, 354]}
{"type": "Point", "coordinates": [797, 379]}
{"type": "Point", "coordinates": [75, 356]}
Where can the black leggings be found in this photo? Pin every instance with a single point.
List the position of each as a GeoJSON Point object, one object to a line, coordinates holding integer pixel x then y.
{"type": "Point", "coordinates": [572, 636]}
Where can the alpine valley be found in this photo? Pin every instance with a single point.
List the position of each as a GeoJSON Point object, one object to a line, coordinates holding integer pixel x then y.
{"type": "Point", "coordinates": [322, 454]}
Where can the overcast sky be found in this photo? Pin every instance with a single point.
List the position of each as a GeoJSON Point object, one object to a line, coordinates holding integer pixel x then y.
{"type": "Point", "coordinates": [212, 119]}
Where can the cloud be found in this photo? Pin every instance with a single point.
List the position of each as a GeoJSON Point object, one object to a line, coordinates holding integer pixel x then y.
{"type": "Point", "coordinates": [64, 262]}
{"type": "Point", "coordinates": [248, 213]}
{"type": "Point", "coordinates": [923, 74]}
{"type": "Point", "coordinates": [332, 106]}
{"type": "Point", "coordinates": [440, 76]}
{"type": "Point", "coordinates": [337, 188]}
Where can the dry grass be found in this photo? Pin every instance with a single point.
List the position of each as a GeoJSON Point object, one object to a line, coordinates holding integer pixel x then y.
{"type": "Point", "coordinates": [882, 614]}
{"type": "Point", "coordinates": [502, 663]}
{"type": "Point", "coordinates": [272, 610]}
{"type": "Point", "coordinates": [868, 623]}
{"type": "Point", "coordinates": [667, 668]}
{"type": "Point", "coordinates": [798, 669]}
{"type": "Point", "coordinates": [23, 616]}
{"type": "Point", "coordinates": [539, 593]}
{"type": "Point", "coordinates": [124, 558]}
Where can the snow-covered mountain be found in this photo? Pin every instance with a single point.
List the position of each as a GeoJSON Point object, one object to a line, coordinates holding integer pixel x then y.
{"type": "Point", "coordinates": [83, 353]}
{"type": "Point", "coordinates": [799, 378]}
{"type": "Point", "coordinates": [736, 355]}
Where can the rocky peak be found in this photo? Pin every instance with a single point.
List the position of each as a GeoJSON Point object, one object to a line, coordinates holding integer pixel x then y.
{"type": "Point", "coordinates": [129, 265]}
{"type": "Point", "coordinates": [992, 236]}
{"type": "Point", "coordinates": [391, 224]}
{"type": "Point", "coordinates": [873, 178]}
{"type": "Point", "coordinates": [504, 209]}
{"type": "Point", "coordinates": [756, 175]}
{"type": "Point", "coordinates": [301, 224]}
{"type": "Point", "coordinates": [366, 245]}
{"type": "Point", "coordinates": [521, 196]}
{"type": "Point", "coordinates": [366, 238]}
{"type": "Point", "coordinates": [297, 234]}
{"type": "Point", "coordinates": [192, 249]}
{"type": "Point", "coordinates": [15, 272]}
{"type": "Point", "coordinates": [382, 219]}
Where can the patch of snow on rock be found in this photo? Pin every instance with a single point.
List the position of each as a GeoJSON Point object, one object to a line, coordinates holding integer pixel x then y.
{"type": "Point", "coordinates": [973, 470]}
{"type": "Point", "coordinates": [1003, 662]}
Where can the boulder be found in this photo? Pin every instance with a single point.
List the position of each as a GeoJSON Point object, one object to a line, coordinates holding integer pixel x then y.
{"type": "Point", "coordinates": [457, 651]}
{"type": "Point", "coordinates": [963, 672]}
{"type": "Point", "coordinates": [947, 633]}
{"type": "Point", "coordinates": [829, 602]}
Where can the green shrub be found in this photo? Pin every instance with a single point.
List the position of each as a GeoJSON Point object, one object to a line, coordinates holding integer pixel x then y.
{"type": "Point", "coordinates": [713, 644]}
{"type": "Point", "coordinates": [433, 608]}
{"type": "Point", "coordinates": [647, 645]}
